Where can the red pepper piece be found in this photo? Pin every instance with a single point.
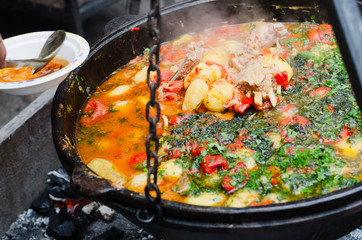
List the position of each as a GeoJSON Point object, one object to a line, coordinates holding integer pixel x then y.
{"type": "Point", "coordinates": [286, 107]}
{"type": "Point", "coordinates": [322, 91]}
{"type": "Point", "coordinates": [174, 86]}
{"type": "Point", "coordinates": [175, 153]}
{"type": "Point", "coordinates": [243, 102]}
{"type": "Point", "coordinates": [139, 159]}
{"type": "Point", "coordinates": [212, 163]}
{"type": "Point", "coordinates": [273, 181]}
{"type": "Point", "coordinates": [302, 121]}
{"type": "Point", "coordinates": [282, 79]}
{"type": "Point", "coordinates": [97, 109]}
{"type": "Point", "coordinates": [330, 108]}
{"type": "Point", "coordinates": [227, 181]}
{"type": "Point", "coordinates": [176, 119]}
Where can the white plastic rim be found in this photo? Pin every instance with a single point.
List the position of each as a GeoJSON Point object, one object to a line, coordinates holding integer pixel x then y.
{"type": "Point", "coordinates": [74, 49]}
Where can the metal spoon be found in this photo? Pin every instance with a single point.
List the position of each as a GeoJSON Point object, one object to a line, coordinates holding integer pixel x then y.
{"type": "Point", "coordinates": [47, 53]}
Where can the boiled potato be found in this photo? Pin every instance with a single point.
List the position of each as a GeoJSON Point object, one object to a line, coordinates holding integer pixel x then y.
{"type": "Point", "coordinates": [231, 46]}
{"type": "Point", "coordinates": [206, 199]}
{"type": "Point", "coordinates": [274, 198]}
{"type": "Point", "coordinates": [209, 74]}
{"type": "Point", "coordinates": [349, 149]}
{"type": "Point", "coordinates": [276, 139]}
{"type": "Point", "coordinates": [141, 76]}
{"type": "Point", "coordinates": [194, 95]}
{"type": "Point", "coordinates": [242, 198]}
{"type": "Point", "coordinates": [217, 55]}
{"type": "Point", "coordinates": [212, 180]}
{"type": "Point", "coordinates": [183, 40]}
{"type": "Point", "coordinates": [170, 170]}
{"type": "Point", "coordinates": [106, 169]}
{"type": "Point", "coordinates": [138, 182]}
{"type": "Point", "coordinates": [119, 90]}
{"type": "Point", "coordinates": [274, 60]}
{"type": "Point", "coordinates": [218, 96]}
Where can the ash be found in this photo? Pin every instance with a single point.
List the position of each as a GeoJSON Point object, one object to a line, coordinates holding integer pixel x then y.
{"type": "Point", "coordinates": [32, 226]}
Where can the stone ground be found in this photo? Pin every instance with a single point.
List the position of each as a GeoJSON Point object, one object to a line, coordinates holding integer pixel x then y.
{"type": "Point", "coordinates": [18, 23]}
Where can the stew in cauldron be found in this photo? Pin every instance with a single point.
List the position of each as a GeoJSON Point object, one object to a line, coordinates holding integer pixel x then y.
{"type": "Point", "coordinates": [252, 114]}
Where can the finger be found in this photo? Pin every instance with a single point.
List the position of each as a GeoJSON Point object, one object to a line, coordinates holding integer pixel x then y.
{"type": "Point", "coordinates": [2, 53]}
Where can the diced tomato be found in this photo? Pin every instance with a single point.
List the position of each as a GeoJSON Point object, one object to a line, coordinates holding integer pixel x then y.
{"type": "Point", "coordinates": [176, 119]}
{"type": "Point", "coordinates": [175, 153]}
{"type": "Point", "coordinates": [286, 107]}
{"type": "Point", "coordinates": [266, 105]}
{"type": "Point", "coordinates": [165, 75]}
{"type": "Point", "coordinates": [235, 147]}
{"type": "Point", "coordinates": [322, 27]}
{"type": "Point", "coordinates": [290, 150]}
{"type": "Point", "coordinates": [330, 108]}
{"type": "Point", "coordinates": [139, 159]}
{"type": "Point", "coordinates": [322, 91]}
{"type": "Point", "coordinates": [212, 163]}
{"type": "Point", "coordinates": [174, 86]}
{"type": "Point", "coordinates": [314, 36]}
{"type": "Point", "coordinates": [324, 34]}
{"type": "Point", "coordinates": [274, 170]}
{"type": "Point", "coordinates": [345, 133]}
{"type": "Point", "coordinates": [273, 181]}
{"type": "Point", "coordinates": [282, 79]}
{"type": "Point", "coordinates": [193, 171]}
{"type": "Point", "coordinates": [97, 110]}
{"type": "Point", "coordinates": [172, 96]}
{"type": "Point", "coordinates": [242, 103]}
{"type": "Point", "coordinates": [227, 182]}
{"type": "Point", "coordinates": [302, 121]}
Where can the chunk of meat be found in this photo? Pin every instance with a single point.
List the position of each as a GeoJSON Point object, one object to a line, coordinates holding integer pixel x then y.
{"type": "Point", "coordinates": [262, 38]}
{"type": "Point", "coordinates": [260, 81]}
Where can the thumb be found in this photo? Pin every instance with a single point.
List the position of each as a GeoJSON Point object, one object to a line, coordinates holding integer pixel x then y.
{"type": "Point", "coordinates": [2, 53]}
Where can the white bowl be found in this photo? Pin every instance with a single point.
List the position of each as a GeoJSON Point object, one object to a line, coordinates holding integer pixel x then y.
{"type": "Point", "coordinates": [74, 49]}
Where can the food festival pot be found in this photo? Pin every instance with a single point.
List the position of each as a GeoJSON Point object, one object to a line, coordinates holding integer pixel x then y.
{"type": "Point", "coordinates": [325, 217]}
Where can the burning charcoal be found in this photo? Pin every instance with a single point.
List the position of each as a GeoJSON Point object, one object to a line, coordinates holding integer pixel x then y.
{"type": "Point", "coordinates": [41, 204]}
{"type": "Point", "coordinates": [113, 233]}
{"type": "Point", "coordinates": [59, 186]}
{"type": "Point", "coordinates": [79, 218]}
{"type": "Point", "coordinates": [65, 230]}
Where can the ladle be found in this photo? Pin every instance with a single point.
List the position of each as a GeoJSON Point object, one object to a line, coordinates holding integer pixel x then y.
{"type": "Point", "coordinates": [47, 53]}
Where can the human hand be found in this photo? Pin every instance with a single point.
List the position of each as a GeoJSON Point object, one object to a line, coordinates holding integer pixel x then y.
{"type": "Point", "coordinates": [2, 53]}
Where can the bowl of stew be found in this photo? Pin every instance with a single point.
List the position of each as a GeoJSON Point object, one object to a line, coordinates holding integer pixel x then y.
{"type": "Point", "coordinates": [21, 81]}
{"type": "Point", "coordinates": [277, 165]}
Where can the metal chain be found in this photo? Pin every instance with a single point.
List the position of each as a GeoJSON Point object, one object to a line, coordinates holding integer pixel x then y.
{"type": "Point", "coordinates": [152, 107]}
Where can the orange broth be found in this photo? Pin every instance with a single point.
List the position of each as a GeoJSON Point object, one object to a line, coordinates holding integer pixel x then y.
{"type": "Point", "coordinates": [25, 73]}
{"type": "Point", "coordinates": [113, 127]}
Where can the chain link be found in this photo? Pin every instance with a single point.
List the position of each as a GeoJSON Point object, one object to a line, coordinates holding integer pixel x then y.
{"type": "Point", "coordinates": [152, 107]}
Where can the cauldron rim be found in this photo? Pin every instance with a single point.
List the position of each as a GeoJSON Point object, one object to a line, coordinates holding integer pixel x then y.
{"type": "Point", "coordinates": [71, 161]}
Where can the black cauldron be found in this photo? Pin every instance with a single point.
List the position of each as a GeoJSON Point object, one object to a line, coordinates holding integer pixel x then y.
{"type": "Point", "coordinates": [326, 217]}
